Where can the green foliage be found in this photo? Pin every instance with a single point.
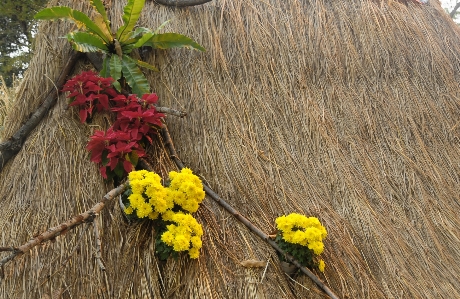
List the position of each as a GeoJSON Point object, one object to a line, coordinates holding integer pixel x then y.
{"type": "Point", "coordinates": [301, 253]}
{"type": "Point", "coordinates": [96, 36]}
{"type": "Point", "coordinates": [16, 36]}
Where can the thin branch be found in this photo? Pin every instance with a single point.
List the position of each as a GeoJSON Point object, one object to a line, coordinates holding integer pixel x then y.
{"type": "Point", "coordinates": [63, 228]}
{"type": "Point", "coordinates": [171, 111]}
{"type": "Point", "coordinates": [13, 144]}
{"type": "Point", "coordinates": [454, 11]}
{"type": "Point", "coordinates": [98, 246]}
{"type": "Point", "coordinates": [7, 249]}
{"type": "Point", "coordinates": [181, 3]}
{"type": "Point", "coordinates": [170, 146]}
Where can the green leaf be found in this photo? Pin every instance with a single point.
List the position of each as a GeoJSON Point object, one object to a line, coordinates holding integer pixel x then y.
{"type": "Point", "coordinates": [105, 72]}
{"type": "Point", "coordinates": [79, 18]}
{"type": "Point", "coordinates": [99, 6]}
{"type": "Point", "coordinates": [127, 48]}
{"type": "Point", "coordinates": [119, 170]}
{"type": "Point", "coordinates": [173, 40]}
{"type": "Point", "coordinates": [161, 26]}
{"type": "Point", "coordinates": [115, 70]}
{"type": "Point", "coordinates": [131, 14]}
{"type": "Point", "coordinates": [146, 65]}
{"type": "Point", "coordinates": [139, 31]}
{"type": "Point", "coordinates": [133, 158]}
{"type": "Point", "coordinates": [105, 160]}
{"type": "Point", "coordinates": [86, 42]}
{"type": "Point", "coordinates": [134, 76]}
{"type": "Point", "coordinates": [145, 38]}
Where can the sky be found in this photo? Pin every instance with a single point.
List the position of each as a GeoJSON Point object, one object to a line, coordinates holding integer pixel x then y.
{"type": "Point", "coordinates": [449, 5]}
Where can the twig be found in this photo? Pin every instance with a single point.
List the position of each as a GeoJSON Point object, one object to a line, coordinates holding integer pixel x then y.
{"type": "Point", "coordinates": [63, 228]}
{"type": "Point", "coordinates": [181, 3]}
{"type": "Point", "coordinates": [7, 249]}
{"type": "Point", "coordinates": [13, 144]}
{"type": "Point", "coordinates": [169, 144]}
{"type": "Point", "coordinates": [297, 282]}
{"type": "Point", "coordinates": [66, 260]}
{"type": "Point", "coordinates": [171, 111]}
{"type": "Point", "coordinates": [98, 246]}
{"type": "Point", "coordinates": [265, 271]}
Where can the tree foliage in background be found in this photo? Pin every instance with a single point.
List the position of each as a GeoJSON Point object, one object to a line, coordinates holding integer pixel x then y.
{"type": "Point", "coordinates": [16, 36]}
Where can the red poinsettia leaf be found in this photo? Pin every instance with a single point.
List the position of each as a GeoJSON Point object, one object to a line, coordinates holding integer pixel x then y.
{"type": "Point", "coordinates": [91, 86]}
{"type": "Point", "coordinates": [134, 133]}
{"type": "Point", "coordinates": [113, 162]}
{"type": "Point", "coordinates": [111, 92]}
{"type": "Point", "coordinates": [80, 99]}
{"type": "Point", "coordinates": [150, 98]}
{"type": "Point", "coordinates": [127, 166]}
{"type": "Point", "coordinates": [103, 171]}
{"type": "Point", "coordinates": [103, 101]}
{"type": "Point", "coordinates": [74, 93]}
{"type": "Point", "coordinates": [83, 115]}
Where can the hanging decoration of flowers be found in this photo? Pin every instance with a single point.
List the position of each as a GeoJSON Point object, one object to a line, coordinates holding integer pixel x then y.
{"type": "Point", "coordinates": [170, 208]}
{"type": "Point", "coordinates": [302, 237]}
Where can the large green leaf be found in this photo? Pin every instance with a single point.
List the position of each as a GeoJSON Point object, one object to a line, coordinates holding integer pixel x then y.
{"type": "Point", "coordinates": [146, 65]}
{"type": "Point", "coordinates": [86, 42]}
{"type": "Point", "coordinates": [127, 48]}
{"type": "Point", "coordinates": [115, 70]}
{"type": "Point", "coordinates": [145, 38]}
{"type": "Point", "coordinates": [79, 18]}
{"type": "Point", "coordinates": [99, 6]}
{"type": "Point", "coordinates": [173, 40]}
{"type": "Point", "coordinates": [161, 26]}
{"type": "Point", "coordinates": [131, 14]}
{"type": "Point", "coordinates": [105, 72]}
{"type": "Point", "coordinates": [134, 76]}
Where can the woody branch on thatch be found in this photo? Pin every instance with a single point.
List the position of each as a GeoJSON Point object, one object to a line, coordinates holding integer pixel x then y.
{"type": "Point", "coordinates": [9, 148]}
{"type": "Point", "coordinates": [13, 145]}
{"type": "Point", "coordinates": [63, 228]}
{"type": "Point", "coordinates": [169, 144]}
{"type": "Point", "coordinates": [181, 3]}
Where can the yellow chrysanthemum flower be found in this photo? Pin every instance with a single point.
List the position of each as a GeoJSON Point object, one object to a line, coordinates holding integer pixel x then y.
{"type": "Point", "coordinates": [321, 265]}
{"type": "Point", "coordinates": [302, 230]}
{"type": "Point", "coordinates": [194, 253]}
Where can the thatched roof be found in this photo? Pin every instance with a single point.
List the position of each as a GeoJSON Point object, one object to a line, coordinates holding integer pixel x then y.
{"type": "Point", "coordinates": [344, 110]}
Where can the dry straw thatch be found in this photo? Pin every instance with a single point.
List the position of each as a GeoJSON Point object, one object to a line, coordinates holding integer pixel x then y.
{"type": "Point", "coordinates": [348, 110]}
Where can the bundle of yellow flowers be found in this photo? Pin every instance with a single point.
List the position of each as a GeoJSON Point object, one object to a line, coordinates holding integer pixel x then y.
{"type": "Point", "coordinates": [302, 237]}
{"type": "Point", "coordinates": [185, 190]}
{"type": "Point", "coordinates": [184, 235]}
{"type": "Point", "coordinates": [170, 207]}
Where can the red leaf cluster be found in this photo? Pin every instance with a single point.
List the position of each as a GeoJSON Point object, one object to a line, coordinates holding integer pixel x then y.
{"type": "Point", "coordinates": [89, 91]}
{"type": "Point", "coordinates": [117, 150]}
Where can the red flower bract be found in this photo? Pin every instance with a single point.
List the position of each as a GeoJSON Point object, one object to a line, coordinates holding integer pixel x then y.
{"type": "Point", "coordinates": [118, 149]}
{"type": "Point", "coordinates": [89, 91]}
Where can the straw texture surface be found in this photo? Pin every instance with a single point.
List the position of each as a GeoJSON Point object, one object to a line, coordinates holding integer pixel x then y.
{"type": "Point", "coordinates": [343, 110]}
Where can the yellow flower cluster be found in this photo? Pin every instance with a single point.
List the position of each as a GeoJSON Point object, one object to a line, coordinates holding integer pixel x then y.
{"type": "Point", "coordinates": [184, 235]}
{"type": "Point", "coordinates": [147, 183]}
{"type": "Point", "coordinates": [150, 199]}
{"type": "Point", "coordinates": [185, 190]}
{"type": "Point", "coordinates": [306, 231]}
